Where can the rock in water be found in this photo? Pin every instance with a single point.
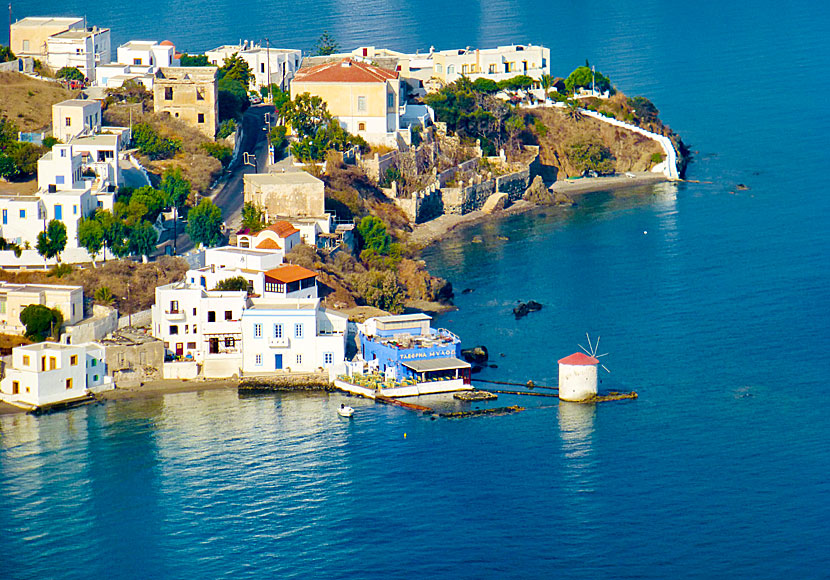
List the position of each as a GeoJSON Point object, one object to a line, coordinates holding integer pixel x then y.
{"type": "Point", "coordinates": [560, 198]}
{"type": "Point", "coordinates": [477, 355]}
{"type": "Point", "coordinates": [534, 306]}
{"type": "Point", "coordinates": [521, 310]}
{"type": "Point", "coordinates": [538, 193]}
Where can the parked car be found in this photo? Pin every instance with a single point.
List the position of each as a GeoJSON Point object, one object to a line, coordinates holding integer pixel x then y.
{"type": "Point", "coordinates": [254, 98]}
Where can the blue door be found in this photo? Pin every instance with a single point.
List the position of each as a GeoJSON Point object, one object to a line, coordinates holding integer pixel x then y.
{"type": "Point", "coordinates": [277, 361]}
{"type": "Point", "coordinates": [58, 212]}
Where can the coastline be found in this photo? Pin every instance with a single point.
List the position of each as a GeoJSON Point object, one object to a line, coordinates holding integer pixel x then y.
{"type": "Point", "coordinates": [430, 232]}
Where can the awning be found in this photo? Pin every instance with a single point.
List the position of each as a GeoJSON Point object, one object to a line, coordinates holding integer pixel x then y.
{"type": "Point", "coordinates": [436, 364]}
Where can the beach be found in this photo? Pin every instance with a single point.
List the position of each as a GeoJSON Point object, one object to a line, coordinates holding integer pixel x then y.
{"type": "Point", "coordinates": [429, 232]}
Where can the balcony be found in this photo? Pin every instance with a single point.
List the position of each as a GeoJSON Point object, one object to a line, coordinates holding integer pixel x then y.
{"type": "Point", "coordinates": [279, 342]}
{"type": "Point", "coordinates": [174, 314]}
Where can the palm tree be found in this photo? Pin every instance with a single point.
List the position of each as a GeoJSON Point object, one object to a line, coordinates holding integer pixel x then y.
{"type": "Point", "coordinates": [573, 110]}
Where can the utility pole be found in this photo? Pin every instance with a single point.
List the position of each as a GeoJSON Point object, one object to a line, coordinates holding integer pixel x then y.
{"type": "Point", "coordinates": [268, 58]}
{"type": "Point", "coordinates": [10, 26]}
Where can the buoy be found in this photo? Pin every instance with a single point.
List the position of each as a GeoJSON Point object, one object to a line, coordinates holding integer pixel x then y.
{"type": "Point", "coordinates": [404, 435]}
{"type": "Point", "coordinates": [645, 232]}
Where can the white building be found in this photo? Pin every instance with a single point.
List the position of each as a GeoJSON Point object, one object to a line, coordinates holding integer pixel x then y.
{"type": "Point", "coordinates": [497, 64]}
{"type": "Point", "coordinates": [137, 60]}
{"type": "Point", "coordinates": [232, 262]}
{"type": "Point", "coordinates": [291, 336]}
{"type": "Point", "coordinates": [46, 373]}
{"type": "Point", "coordinates": [15, 297]}
{"type": "Point", "coordinates": [29, 36]}
{"type": "Point", "coordinates": [279, 63]}
{"type": "Point", "coordinates": [75, 117]}
{"type": "Point", "coordinates": [278, 238]}
{"type": "Point", "coordinates": [195, 323]}
{"type": "Point", "coordinates": [84, 49]}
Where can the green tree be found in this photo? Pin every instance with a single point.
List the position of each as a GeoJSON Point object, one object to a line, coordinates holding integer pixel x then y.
{"type": "Point", "coordinates": [514, 125]}
{"type": "Point", "coordinates": [91, 237]}
{"type": "Point", "coordinates": [226, 128]}
{"type": "Point", "coordinates": [235, 68]}
{"type": "Point", "coordinates": [6, 54]}
{"type": "Point", "coordinates": [41, 321]}
{"type": "Point", "coordinates": [20, 159]}
{"type": "Point", "coordinates": [306, 114]}
{"type": "Point", "coordinates": [70, 73]}
{"type": "Point", "coordinates": [176, 190]}
{"type": "Point", "coordinates": [252, 217]}
{"type": "Point", "coordinates": [326, 44]}
{"type": "Point", "coordinates": [114, 232]}
{"type": "Point", "coordinates": [373, 233]}
{"type": "Point", "coordinates": [218, 151]}
{"type": "Point", "coordinates": [152, 199]}
{"type": "Point", "coordinates": [151, 144]}
{"type": "Point", "coordinates": [280, 97]}
{"type": "Point", "coordinates": [143, 238]}
{"type": "Point", "coordinates": [204, 224]}
{"type": "Point", "coordinates": [584, 77]}
{"type": "Point", "coordinates": [380, 288]}
{"type": "Point", "coordinates": [8, 132]}
{"type": "Point", "coordinates": [233, 99]}
{"type": "Point", "coordinates": [234, 284]}
{"type": "Point", "coordinates": [194, 60]}
{"type": "Point", "coordinates": [573, 109]}
{"type": "Point", "coordinates": [485, 85]}
{"type": "Point", "coordinates": [277, 138]}
{"type": "Point", "coordinates": [52, 242]}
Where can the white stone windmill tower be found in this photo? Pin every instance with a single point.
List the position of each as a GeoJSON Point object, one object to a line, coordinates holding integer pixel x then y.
{"type": "Point", "coordinates": [578, 373]}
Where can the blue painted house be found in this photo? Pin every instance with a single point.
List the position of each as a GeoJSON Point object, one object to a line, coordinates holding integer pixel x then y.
{"type": "Point", "coordinates": [406, 347]}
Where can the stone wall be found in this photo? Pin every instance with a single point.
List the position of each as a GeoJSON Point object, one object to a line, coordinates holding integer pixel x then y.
{"type": "Point", "coordinates": [514, 184]}
{"type": "Point", "coordinates": [103, 321]}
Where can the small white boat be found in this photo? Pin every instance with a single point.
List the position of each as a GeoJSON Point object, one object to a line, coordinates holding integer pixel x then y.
{"type": "Point", "coordinates": [345, 411]}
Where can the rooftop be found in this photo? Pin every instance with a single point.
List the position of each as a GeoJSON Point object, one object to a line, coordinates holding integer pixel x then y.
{"type": "Point", "coordinates": [99, 139]}
{"type": "Point", "coordinates": [578, 359]}
{"type": "Point", "coordinates": [77, 103]}
{"type": "Point", "coordinates": [75, 34]}
{"type": "Point", "coordinates": [282, 228]}
{"type": "Point", "coordinates": [289, 178]}
{"type": "Point", "coordinates": [48, 21]}
{"type": "Point", "coordinates": [347, 70]}
{"type": "Point", "coordinates": [403, 318]}
{"type": "Point", "coordinates": [436, 364]}
{"type": "Point", "coordinates": [268, 304]}
{"type": "Point", "coordinates": [288, 273]}
{"type": "Point", "coordinates": [238, 250]}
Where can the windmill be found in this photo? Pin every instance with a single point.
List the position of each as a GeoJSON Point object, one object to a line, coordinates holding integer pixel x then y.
{"type": "Point", "coordinates": [594, 349]}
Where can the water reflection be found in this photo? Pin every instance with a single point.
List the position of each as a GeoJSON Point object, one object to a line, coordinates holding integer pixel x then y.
{"type": "Point", "coordinates": [576, 423]}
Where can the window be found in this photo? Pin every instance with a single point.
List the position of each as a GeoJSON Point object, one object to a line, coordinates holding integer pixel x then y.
{"type": "Point", "coordinates": [390, 101]}
{"type": "Point", "coordinates": [190, 345]}
{"type": "Point", "coordinates": [186, 328]}
{"type": "Point", "coordinates": [23, 214]}
{"type": "Point", "coordinates": [492, 69]}
{"type": "Point", "coordinates": [5, 216]}
{"type": "Point", "coordinates": [74, 210]}
{"type": "Point", "coordinates": [25, 46]}
{"type": "Point", "coordinates": [438, 68]}
{"type": "Point", "coordinates": [274, 287]}
{"type": "Point", "coordinates": [200, 94]}
{"type": "Point", "coordinates": [26, 359]}
{"type": "Point", "coordinates": [258, 360]}
{"type": "Point", "coordinates": [63, 152]}
{"type": "Point", "coordinates": [137, 61]}
{"type": "Point", "coordinates": [299, 359]}
{"type": "Point", "coordinates": [168, 93]}
{"type": "Point", "coordinates": [228, 315]}
{"type": "Point", "coordinates": [174, 329]}
{"type": "Point", "coordinates": [229, 342]}
{"type": "Point", "coordinates": [258, 330]}
{"type": "Point", "coordinates": [95, 377]}
{"type": "Point", "coordinates": [361, 126]}
{"type": "Point", "coordinates": [95, 362]}
{"type": "Point", "coordinates": [465, 69]}
{"type": "Point", "coordinates": [15, 388]}
{"type": "Point", "coordinates": [262, 67]}
{"type": "Point", "coordinates": [451, 69]}
{"type": "Point", "coordinates": [68, 383]}
{"type": "Point", "coordinates": [68, 124]}
{"type": "Point", "coordinates": [174, 307]}
{"type": "Point", "coordinates": [59, 180]}
{"type": "Point", "coordinates": [361, 103]}
{"type": "Point", "coordinates": [298, 330]}
{"type": "Point", "coordinates": [211, 316]}
{"type": "Point", "coordinates": [278, 331]}
{"type": "Point", "coordinates": [73, 360]}
{"type": "Point", "coordinates": [53, 363]}
{"type": "Point", "coordinates": [328, 358]}
{"type": "Point", "coordinates": [194, 312]}
{"type": "Point", "coordinates": [200, 118]}
{"type": "Point", "coordinates": [58, 212]}
{"type": "Point", "coordinates": [213, 345]}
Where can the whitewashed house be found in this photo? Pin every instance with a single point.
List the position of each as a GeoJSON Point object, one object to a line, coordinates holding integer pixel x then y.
{"type": "Point", "coordinates": [75, 117]}
{"type": "Point", "coordinates": [15, 297]}
{"type": "Point", "coordinates": [46, 373]}
{"type": "Point", "coordinates": [83, 48]}
{"type": "Point", "coordinates": [291, 336]}
{"type": "Point", "coordinates": [138, 61]}
{"type": "Point", "coordinates": [274, 66]}
{"type": "Point", "coordinates": [278, 238]}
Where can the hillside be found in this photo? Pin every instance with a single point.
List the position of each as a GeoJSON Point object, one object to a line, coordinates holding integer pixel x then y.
{"type": "Point", "coordinates": [28, 102]}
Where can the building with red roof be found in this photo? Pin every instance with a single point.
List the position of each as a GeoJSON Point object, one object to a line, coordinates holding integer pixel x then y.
{"type": "Point", "coordinates": [364, 98]}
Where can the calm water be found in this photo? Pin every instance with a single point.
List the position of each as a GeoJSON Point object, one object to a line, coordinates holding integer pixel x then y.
{"type": "Point", "coordinates": [717, 316]}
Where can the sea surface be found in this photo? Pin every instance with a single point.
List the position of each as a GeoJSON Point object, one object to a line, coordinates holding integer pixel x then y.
{"type": "Point", "coordinates": [712, 303]}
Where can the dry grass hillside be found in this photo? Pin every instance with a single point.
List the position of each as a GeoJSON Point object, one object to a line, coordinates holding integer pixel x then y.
{"type": "Point", "coordinates": [631, 151]}
{"type": "Point", "coordinates": [198, 167]}
{"type": "Point", "coordinates": [115, 275]}
{"type": "Point", "coordinates": [28, 102]}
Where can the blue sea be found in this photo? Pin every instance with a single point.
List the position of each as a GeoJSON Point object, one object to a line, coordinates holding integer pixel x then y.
{"type": "Point", "coordinates": [711, 301]}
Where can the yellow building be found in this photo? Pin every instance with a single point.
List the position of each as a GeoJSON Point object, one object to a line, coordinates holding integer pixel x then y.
{"type": "Point", "coordinates": [365, 99]}
{"type": "Point", "coordinates": [188, 94]}
{"type": "Point", "coordinates": [29, 35]}
{"type": "Point", "coordinates": [497, 64]}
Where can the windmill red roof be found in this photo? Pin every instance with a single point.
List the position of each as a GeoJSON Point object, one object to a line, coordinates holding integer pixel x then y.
{"type": "Point", "coordinates": [578, 358]}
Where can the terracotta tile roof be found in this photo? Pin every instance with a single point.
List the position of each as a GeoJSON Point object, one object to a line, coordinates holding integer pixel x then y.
{"type": "Point", "coordinates": [578, 358]}
{"type": "Point", "coordinates": [344, 71]}
{"type": "Point", "coordinates": [282, 229]}
{"type": "Point", "coordinates": [268, 244]}
{"type": "Point", "coordinates": [289, 273]}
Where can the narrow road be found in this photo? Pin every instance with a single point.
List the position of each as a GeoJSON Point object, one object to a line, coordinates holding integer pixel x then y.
{"type": "Point", "coordinates": [229, 195]}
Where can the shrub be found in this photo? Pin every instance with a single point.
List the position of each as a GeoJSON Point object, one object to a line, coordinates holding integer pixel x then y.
{"type": "Point", "coordinates": [103, 295]}
{"type": "Point", "coordinates": [194, 60]}
{"type": "Point", "coordinates": [590, 155]}
{"type": "Point", "coordinates": [153, 145]}
{"type": "Point", "coordinates": [226, 127]}
{"type": "Point", "coordinates": [41, 321]}
{"type": "Point", "coordinates": [221, 152]}
{"type": "Point", "coordinates": [379, 289]}
{"type": "Point", "coordinates": [656, 158]}
{"type": "Point", "coordinates": [60, 270]}
{"type": "Point", "coordinates": [70, 73]}
{"type": "Point", "coordinates": [277, 138]}
{"type": "Point", "coordinates": [236, 283]}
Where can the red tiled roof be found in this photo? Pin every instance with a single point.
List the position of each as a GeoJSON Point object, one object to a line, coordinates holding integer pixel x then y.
{"type": "Point", "coordinates": [289, 273]}
{"type": "Point", "coordinates": [282, 229]}
{"type": "Point", "coordinates": [578, 358]}
{"type": "Point", "coordinates": [344, 71]}
{"type": "Point", "coordinates": [268, 244]}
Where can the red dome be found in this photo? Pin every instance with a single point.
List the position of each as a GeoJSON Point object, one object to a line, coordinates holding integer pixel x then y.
{"type": "Point", "coordinates": [166, 43]}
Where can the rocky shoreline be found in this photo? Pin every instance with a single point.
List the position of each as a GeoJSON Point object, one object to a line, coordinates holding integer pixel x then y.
{"type": "Point", "coordinates": [428, 233]}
